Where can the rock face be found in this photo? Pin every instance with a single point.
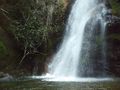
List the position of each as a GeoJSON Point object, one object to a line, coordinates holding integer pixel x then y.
{"type": "Point", "coordinates": [113, 47]}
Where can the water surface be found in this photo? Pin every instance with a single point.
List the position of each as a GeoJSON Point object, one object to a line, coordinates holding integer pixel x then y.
{"type": "Point", "coordinates": [39, 84]}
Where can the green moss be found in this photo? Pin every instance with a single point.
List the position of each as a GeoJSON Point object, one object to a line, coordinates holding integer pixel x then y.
{"type": "Point", "coordinates": [3, 50]}
{"type": "Point", "coordinates": [115, 36]}
{"type": "Point", "coordinates": [99, 40]}
{"type": "Point", "coordinates": [115, 7]}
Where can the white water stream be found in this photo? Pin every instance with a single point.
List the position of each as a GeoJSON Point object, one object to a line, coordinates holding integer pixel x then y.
{"type": "Point", "coordinates": [82, 52]}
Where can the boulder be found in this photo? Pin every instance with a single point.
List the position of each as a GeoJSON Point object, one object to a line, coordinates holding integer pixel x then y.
{"type": "Point", "coordinates": [4, 77]}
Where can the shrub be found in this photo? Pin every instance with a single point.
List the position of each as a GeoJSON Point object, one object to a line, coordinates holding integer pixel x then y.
{"type": "Point", "coordinates": [34, 23]}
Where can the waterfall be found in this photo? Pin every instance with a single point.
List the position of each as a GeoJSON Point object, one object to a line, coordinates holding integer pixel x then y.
{"type": "Point", "coordinates": [82, 52]}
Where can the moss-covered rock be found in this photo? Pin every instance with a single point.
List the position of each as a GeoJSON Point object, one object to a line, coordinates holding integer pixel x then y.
{"type": "Point", "coordinates": [113, 40]}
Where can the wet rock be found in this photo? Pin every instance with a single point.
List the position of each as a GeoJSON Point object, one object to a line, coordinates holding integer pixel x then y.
{"type": "Point", "coordinates": [115, 19]}
{"type": "Point", "coordinates": [5, 77]}
{"type": "Point", "coordinates": [113, 46]}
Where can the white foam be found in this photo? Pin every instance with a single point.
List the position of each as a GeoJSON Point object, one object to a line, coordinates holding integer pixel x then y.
{"type": "Point", "coordinates": [71, 79]}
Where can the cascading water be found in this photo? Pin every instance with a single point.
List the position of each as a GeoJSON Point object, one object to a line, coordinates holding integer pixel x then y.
{"type": "Point", "coordinates": [82, 52]}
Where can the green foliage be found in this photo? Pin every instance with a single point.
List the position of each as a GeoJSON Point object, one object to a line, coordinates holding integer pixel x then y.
{"type": "Point", "coordinates": [33, 23]}
{"type": "Point", "coordinates": [99, 40]}
{"type": "Point", "coordinates": [3, 50]}
{"type": "Point", "coordinates": [30, 32]}
{"type": "Point", "coordinates": [37, 21]}
{"type": "Point", "coordinates": [115, 7]}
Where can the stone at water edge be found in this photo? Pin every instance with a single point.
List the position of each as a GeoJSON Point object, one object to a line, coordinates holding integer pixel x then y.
{"type": "Point", "coordinates": [5, 77]}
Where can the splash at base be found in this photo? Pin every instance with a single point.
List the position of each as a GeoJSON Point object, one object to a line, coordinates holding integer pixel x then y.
{"type": "Point", "coordinates": [52, 78]}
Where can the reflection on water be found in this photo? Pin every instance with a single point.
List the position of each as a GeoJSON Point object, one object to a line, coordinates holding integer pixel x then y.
{"type": "Point", "coordinates": [49, 85]}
